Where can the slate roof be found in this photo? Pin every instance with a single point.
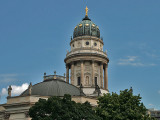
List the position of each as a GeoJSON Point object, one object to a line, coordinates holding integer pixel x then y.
{"type": "Point", "coordinates": [54, 88]}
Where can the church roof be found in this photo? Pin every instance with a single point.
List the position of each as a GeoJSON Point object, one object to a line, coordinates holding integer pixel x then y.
{"type": "Point", "coordinates": [54, 87]}
{"type": "Point", "coordinates": [86, 28]}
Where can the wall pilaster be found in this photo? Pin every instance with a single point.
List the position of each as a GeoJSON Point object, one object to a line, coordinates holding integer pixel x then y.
{"type": "Point", "coordinates": [67, 73]}
{"type": "Point", "coordinates": [106, 77]}
{"type": "Point", "coordinates": [101, 75]}
{"type": "Point", "coordinates": [93, 73]}
{"type": "Point", "coordinates": [82, 73]}
{"type": "Point", "coordinates": [72, 73]}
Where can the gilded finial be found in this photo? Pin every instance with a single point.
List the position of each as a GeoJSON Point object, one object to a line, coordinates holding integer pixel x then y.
{"type": "Point", "coordinates": [86, 9]}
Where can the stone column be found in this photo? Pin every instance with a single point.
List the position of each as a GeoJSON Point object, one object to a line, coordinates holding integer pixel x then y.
{"type": "Point", "coordinates": [93, 73]}
{"type": "Point", "coordinates": [101, 75]}
{"type": "Point", "coordinates": [72, 73]}
{"type": "Point", "coordinates": [105, 78]}
{"type": "Point", "coordinates": [82, 73]}
{"type": "Point", "coordinates": [67, 73]}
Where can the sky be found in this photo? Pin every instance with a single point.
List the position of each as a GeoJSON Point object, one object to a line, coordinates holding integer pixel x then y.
{"type": "Point", "coordinates": [35, 37]}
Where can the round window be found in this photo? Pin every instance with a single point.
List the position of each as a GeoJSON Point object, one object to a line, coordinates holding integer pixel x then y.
{"type": "Point", "coordinates": [73, 45]}
{"type": "Point", "coordinates": [87, 43]}
{"type": "Point", "coordinates": [95, 44]}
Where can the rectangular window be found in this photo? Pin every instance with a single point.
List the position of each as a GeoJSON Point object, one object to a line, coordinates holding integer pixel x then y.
{"type": "Point", "coordinates": [79, 80]}
{"type": "Point", "coordinates": [95, 81]}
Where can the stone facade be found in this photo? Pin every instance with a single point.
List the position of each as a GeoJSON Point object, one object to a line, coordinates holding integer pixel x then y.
{"type": "Point", "coordinates": [88, 64]}
{"type": "Point", "coordinates": [17, 108]}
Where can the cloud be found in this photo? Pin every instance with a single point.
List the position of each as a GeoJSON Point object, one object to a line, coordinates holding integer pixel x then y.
{"type": "Point", "coordinates": [133, 61]}
{"type": "Point", "coordinates": [4, 91]}
{"type": "Point", "coordinates": [130, 60]}
{"type": "Point", "coordinates": [8, 77]}
{"type": "Point", "coordinates": [151, 105]}
{"type": "Point", "coordinates": [16, 90]}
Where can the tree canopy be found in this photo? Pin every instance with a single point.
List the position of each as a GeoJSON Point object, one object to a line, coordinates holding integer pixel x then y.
{"type": "Point", "coordinates": [111, 106]}
{"type": "Point", "coordinates": [56, 108]}
{"type": "Point", "coordinates": [124, 106]}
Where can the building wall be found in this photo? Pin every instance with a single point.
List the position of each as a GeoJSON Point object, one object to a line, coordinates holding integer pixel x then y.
{"type": "Point", "coordinates": [87, 68]}
{"type": "Point", "coordinates": [13, 110]}
{"type": "Point", "coordinates": [2, 111]}
{"type": "Point", "coordinates": [82, 44]}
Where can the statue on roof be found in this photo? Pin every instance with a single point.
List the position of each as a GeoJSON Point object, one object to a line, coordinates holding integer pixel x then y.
{"type": "Point", "coordinates": [86, 9]}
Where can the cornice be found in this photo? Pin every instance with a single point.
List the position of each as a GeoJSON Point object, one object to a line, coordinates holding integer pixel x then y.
{"type": "Point", "coordinates": [86, 38]}
{"type": "Point", "coordinates": [88, 57]}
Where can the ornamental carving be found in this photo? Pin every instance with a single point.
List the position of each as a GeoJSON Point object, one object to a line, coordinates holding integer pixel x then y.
{"type": "Point", "coordinates": [87, 80]}
{"type": "Point", "coordinates": [6, 116]}
{"type": "Point", "coordinates": [26, 114]}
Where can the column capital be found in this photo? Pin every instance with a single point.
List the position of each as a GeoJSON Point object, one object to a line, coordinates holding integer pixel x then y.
{"type": "Point", "coordinates": [93, 61]}
{"type": "Point", "coordinates": [106, 65]}
{"type": "Point", "coordinates": [101, 63]}
{"type": "Point", "coordinates": [67, 65]}
{"type": "Point", "coordinates": [82, 61]}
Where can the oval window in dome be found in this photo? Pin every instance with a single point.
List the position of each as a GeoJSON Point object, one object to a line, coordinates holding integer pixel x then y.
{"type": "Point", "coordinates": [93, 25]}
{"type": "Point", "coordinates": [80, 25]}
{"type": "Point", "coordinates": [97, 27]}
{"type": "Point", "coordinates": [95, 44]}
{"type": "Point", "coordinates": [87, 24]}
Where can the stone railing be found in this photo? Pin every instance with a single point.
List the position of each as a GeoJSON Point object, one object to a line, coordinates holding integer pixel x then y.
{"type": "Point", "coordinates": [52, 77]}
{"type": "Point", "coordinates": [90, 51]}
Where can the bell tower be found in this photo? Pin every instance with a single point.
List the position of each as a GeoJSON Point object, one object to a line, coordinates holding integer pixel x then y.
{"type": "Point", "coordinates": [86, 61]}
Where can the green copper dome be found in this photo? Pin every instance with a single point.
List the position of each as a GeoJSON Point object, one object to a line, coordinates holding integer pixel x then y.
{"type": "Point", "coordinates": [86, 28]}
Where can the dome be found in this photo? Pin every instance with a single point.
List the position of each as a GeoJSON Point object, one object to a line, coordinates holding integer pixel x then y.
{"type": "Point", "coordinates": [54, 87]}
{"type": "Point", "coordinates": [86, 27]}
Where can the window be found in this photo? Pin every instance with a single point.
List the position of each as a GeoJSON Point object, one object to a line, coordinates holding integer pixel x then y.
{"type": "Point", "coordinates": [78, 81]}
{"type": "Point", "coordinates": [95, 81]}
{"type": "Point", "coordinates": [87, 43]}
{"type": "Point", "coordinates": [95, 44]}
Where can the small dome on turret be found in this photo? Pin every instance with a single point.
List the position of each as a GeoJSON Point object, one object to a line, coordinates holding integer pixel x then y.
{"type": "Point", "coordinates": [86, 28]}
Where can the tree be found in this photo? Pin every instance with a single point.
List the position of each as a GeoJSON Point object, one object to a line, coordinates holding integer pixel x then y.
{"type": "Point", "coordinates": [56, 108]}
{"type": "Point", "coordinates": [124, 106]}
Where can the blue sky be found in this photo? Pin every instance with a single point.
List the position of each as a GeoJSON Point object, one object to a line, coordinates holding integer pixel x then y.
{"type": "Point", "coordinates": [35, 35]}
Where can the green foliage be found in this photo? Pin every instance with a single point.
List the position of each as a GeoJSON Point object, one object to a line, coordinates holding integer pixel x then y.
{"type": "Point", "coordinates": [56, 108]}
{"type": "Point", "coordinates": [124, 106]}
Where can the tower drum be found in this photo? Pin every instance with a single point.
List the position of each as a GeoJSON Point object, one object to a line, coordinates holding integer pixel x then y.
{"type": "Point", "coordinates": [86, 61]}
